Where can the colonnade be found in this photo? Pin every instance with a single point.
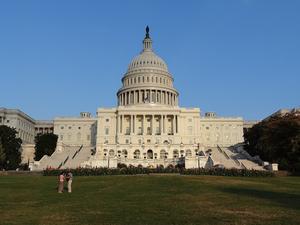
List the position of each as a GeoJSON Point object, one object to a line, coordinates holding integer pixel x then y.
{"type": "Point", "coordinates": [137, 124]}
{"type": "Point", "coordinates": [147, 96]}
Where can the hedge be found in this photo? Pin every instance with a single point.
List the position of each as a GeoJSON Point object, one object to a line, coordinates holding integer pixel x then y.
{"type": "Point", "coordinates": [160, 170]}
{"type": "Point", "coordinates": [228, 172]}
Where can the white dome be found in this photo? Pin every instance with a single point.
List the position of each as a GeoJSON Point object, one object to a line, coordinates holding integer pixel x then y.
{"type": "Point", "coordinates": [147, 80]}
{"type": "Point", "coordinates": [147, 60]}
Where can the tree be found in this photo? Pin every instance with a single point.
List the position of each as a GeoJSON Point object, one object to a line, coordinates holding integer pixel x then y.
{"type": "Point", "coordinates": [11, 145]}
{"type": "Point", "coordinates": [45, 144]}
{"type": "Point", "coordinates": [2, 156]}
{"type": "Point", "coordinates": [276, 140]}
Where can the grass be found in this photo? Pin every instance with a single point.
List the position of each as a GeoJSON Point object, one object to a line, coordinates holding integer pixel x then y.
{"type": "Point", "coordinates": [115, 200]}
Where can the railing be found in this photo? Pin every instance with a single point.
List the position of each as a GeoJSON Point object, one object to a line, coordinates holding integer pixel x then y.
{"type": "Point", "coordinates": [237, 162]}
{"type": "Point", "coordinates": [77, 152]}
{"type": "Point", "coordinates": [222, 151]}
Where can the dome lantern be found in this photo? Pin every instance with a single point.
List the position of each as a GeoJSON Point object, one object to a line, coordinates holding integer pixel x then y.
{"type": "Point", "coordinates": [147, 42]}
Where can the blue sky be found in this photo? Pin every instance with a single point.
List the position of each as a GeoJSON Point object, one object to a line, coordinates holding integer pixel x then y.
{"type": "Point", "coordinates": [236, 58]}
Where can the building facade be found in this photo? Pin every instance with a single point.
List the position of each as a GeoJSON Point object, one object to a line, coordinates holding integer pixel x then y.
{"type": "Point", "coordinates": [76, 131]}
{"type": "Point", "coordinates": [44, 127]}
{"type": "Point", "coordinates": [148, 127]}
{"type": "Point", "coordinates": [23, 123]}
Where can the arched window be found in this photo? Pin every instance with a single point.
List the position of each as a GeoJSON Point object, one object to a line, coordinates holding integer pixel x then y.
{"type": "Point", "coordinates": [137, 154]}
{"type": "Point", "coordinates": [163, 154]}
{"type": "Point", "coordinates": [175, 154]}
{"type": "Point", "coordinates": [181, 153]}
{"type": "Point", "coordinates": [124, 153]}
{"type": "Point", "coordinates": [149, 154]}
{"type": "Point", "coordinates": [188, 153]}
{"type": "Point", "coordinates": [111, 153]}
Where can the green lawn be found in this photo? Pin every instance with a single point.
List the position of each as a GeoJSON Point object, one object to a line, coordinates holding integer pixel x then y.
{"type": "Point", "coordinates": [150, 199]}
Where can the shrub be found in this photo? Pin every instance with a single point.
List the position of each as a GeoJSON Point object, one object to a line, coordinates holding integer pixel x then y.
{"type": "Point", "coordinates": [228, 172]}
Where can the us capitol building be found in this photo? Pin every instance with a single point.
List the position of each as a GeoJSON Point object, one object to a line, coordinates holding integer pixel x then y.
{"type": "Point", "coordinates": [148, 127]}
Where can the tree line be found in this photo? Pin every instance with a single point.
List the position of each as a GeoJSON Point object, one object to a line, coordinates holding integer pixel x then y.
{"type": "Point", "coordinates": [276, 140]}
{"type": "Point", "coordinates": [10, 147]}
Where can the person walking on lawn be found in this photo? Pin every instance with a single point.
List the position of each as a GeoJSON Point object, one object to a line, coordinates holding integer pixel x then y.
{"type": "Point", "coordinates": [69, 180]}
{"type": "Point", "coordinates": [61, 180]}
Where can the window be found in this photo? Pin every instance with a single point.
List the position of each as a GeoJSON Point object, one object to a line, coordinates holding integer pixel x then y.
{"type": "Point", "coordinates": [137, 154]}
{"type": "Point", "coordinates": [62, 127]}
{"type": "Point", "coordinates": [111, 153]}
{"type": "Point", "coordinates": [106, 131]}
{"type": "Point", "coordinates": [163, 154]}
{"type": "Point", "coordinates": [188, 153]}
{"type": "Point", "coordinates": [107, 120]}
{"type": "Point", "coordinates": [175, 154]}
{"type": "Point", "coordinates": [70, 128]}
{"type": "Point", "coordinates": [79, 128]}
{"type": "Point", "coordinates": [127, 141]}
{"type": "Point", "coordinates": [78, 136]}
{"type": "Point", "coordinates": [190, 130]}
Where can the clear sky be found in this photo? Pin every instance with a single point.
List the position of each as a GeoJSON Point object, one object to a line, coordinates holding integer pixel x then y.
{"type": "Point", "coordinates": [236, 58]}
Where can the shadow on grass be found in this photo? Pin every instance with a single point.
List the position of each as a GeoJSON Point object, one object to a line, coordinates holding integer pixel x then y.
{"type": "Point", "coordinates": [287, 200]}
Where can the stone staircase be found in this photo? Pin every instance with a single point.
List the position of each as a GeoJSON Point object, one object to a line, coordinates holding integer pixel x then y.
{"type": "Point", "coordinates": [63, 158]}
{"type": "Point", "coordinates": [220, 157]}
{"type": "Point", "coordinates": [81, 155]}
{"type": "Point", "coordinates": [229, 158]}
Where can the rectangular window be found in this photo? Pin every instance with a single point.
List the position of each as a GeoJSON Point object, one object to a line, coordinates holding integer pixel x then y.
{"type": "Point", "coordinates": [190, 130]}
{"type": "Point", "coordinates": [106, 131]}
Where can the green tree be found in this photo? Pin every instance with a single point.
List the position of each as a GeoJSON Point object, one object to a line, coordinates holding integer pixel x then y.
{"type": "Point", "coordinates": [11, 145]}
{"type": "Point", "coordinates": [45, 144]}
{"type": "Point", "coordinates": [276, 140]}
{"type": "Point", "coordinates": [2, 156]}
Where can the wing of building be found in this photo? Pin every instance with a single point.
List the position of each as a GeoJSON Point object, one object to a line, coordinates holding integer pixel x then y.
{"type": "Point", "coordinates": [147, 127]}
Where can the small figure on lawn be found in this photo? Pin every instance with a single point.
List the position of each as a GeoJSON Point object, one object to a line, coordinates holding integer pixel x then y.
{"type": "Point", "coordinates": [61, 180]}
{"type": "Point", "coordinates": [69, 179]}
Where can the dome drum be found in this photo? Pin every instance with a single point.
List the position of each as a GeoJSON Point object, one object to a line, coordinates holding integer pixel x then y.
{"type": "Point", "coordinates": [154, 96]}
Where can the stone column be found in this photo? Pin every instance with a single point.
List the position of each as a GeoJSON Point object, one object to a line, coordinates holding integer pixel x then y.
{"type": "Point", "coordinates": [118, 124]}
{"type": "Point", "coordinates": [161, 125]}
{"type": "Point", "coordinates": [131, 124]}
{"type": "Point", "coordinates": [174, 125]}
{"type": "Point", "coordinates": [144, 125]}
{"type": "Point", "coordinates": [121, 124]}
{"type": "Point", "coordinates": [152, 125]}
{"type": "Point", "coordinates": [177, 127]}
{"type": "Point", "coordinates": [164, 124]}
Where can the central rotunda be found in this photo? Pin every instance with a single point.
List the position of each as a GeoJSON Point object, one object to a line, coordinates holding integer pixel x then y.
{"type": "Point", "coordinates": [147, 80]}
{"type": "Point", "coordinates": [148, 128]}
